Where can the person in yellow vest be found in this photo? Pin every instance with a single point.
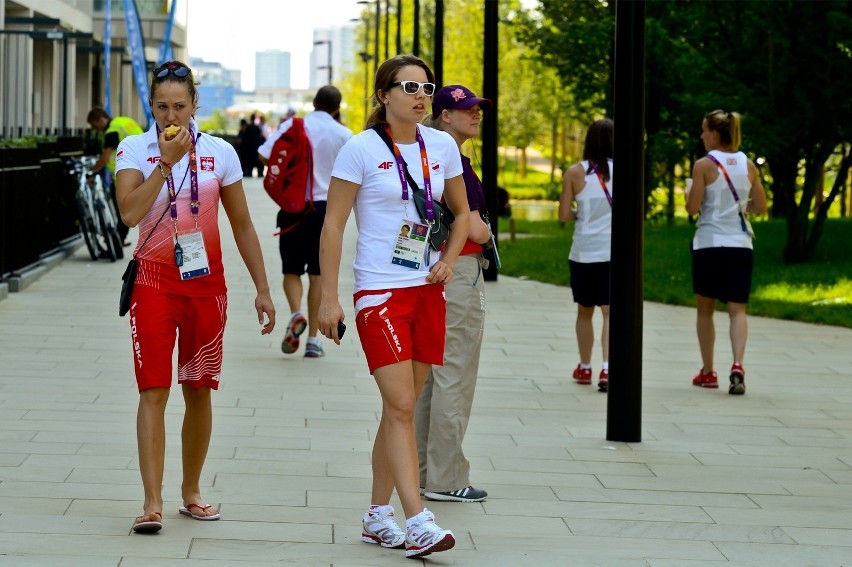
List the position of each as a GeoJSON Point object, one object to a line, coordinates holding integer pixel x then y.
{"type": "Point", "coordinates": [115, 129]}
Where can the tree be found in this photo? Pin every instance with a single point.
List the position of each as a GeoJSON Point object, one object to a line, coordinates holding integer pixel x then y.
{"type": "Point", "coordinates": [783, 65]}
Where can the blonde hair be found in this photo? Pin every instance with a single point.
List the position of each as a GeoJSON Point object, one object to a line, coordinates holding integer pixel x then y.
{"type": "Point", "coordinates": [728, 126]}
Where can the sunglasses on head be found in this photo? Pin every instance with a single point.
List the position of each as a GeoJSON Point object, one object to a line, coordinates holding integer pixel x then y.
{"type": "Point", "coordinates": [413, 87]}
{"type": "Point", "coordinates": [179, 71]}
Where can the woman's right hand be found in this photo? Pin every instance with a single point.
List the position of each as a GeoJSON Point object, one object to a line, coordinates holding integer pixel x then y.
{"type": "Point", "coordinates": [172, 151]}
{"type": "Point", "coordinates": [330, 313]}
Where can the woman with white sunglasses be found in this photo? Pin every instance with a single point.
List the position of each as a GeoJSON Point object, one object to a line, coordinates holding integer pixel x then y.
{"type": "Point", "coordinates": [399, 282]}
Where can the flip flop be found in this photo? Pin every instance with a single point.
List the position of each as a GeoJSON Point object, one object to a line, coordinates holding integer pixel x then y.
{"type": "Point", "coordinates": [143, 526]}
{"type": "Point", "coordinates": [187, 511]}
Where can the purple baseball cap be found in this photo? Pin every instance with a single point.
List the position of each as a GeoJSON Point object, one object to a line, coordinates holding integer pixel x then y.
{"type": "Point", "coordinates": [452, 97]}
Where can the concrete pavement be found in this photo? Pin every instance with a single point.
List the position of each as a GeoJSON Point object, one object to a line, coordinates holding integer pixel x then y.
{"type": "Point", "coordinates": [763, 479]}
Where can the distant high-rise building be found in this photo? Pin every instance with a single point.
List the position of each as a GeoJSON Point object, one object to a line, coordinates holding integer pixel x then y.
{"type": "Point", "coordinates": [272, 69]}
{"type": "Point", "coordinates": [216, 86]}
{"type": "Point", "coordinates": [339, 42]}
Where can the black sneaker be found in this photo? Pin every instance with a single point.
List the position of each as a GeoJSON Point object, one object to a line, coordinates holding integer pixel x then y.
{"type": "Point", "coordinates": [466, 494]}
{"type": "Point", "coordinates": [737, 387]}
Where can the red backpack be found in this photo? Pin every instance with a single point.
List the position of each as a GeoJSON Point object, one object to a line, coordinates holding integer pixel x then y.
{"type": "Point", "coordinates": [290, 169]}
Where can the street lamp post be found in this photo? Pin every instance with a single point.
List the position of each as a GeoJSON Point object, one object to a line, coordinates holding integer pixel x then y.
{"type": "Point", "coordinates": [376, 38]}
{"type": "Point", "coordinates": [365, 58]}
{"type": "Point", "coordinates": [327, 43]}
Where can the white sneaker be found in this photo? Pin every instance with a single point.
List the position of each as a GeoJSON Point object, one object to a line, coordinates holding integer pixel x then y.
{"type": "Point", "coordinates": [381, 528]}
{"type": "Point", "coordinates": [423, 536]}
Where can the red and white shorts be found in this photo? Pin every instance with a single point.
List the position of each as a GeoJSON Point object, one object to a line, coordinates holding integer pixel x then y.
{"type": "Point", "coordinates": [402, 324]}
{"type": "Point", "coordinates": [158, 319]}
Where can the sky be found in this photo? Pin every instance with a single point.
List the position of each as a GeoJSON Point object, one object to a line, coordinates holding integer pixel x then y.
{"type": "Point", "coordinates": [230, 32]}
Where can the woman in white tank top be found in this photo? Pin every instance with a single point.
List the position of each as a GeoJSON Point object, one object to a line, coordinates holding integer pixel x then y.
{"type": "Point", "coordinates": [587, 200]}
{"type": "Point", "coordinates": [725, 187]}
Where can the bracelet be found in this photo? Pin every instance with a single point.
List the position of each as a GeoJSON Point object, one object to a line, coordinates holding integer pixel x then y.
{"type": "Point", "coordinates": [167, 164]}
{"type": "Point", "coordinates": [162, 171]}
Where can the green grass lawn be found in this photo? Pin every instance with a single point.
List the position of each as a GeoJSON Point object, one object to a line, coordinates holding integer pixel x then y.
{"type": "Point", "coordinates": [816, 292]}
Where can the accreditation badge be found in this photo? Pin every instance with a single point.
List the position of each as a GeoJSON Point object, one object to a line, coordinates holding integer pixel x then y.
{"type": "Point", "coordinates": [190, 255]}
{"type": "Point", "coordinates": [411, 242]}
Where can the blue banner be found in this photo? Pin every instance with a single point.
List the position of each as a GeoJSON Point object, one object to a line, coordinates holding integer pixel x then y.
{"type": "Point", "coordinates": [107, 55]}
{"type": "Point", "coordinates": [136, 44]}
{"type": "Point", "coordinates": [166, 51]}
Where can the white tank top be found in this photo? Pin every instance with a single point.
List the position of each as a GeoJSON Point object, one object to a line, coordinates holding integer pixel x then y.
{"type": "Point", "coordinates": [593, 227]}
{"type": "Point", "coordinates": [719, 224]}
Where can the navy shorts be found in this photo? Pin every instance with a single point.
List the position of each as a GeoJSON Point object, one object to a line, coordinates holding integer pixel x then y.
{"type": "Point", "coordinates": [299, 247]}
{"type": "Point", "coordinates": [590, 283]}
{"type": "Point", "coordinates": [723, 273]}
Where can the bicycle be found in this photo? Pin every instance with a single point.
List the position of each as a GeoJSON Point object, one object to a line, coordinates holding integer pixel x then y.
{"type": "Point", "coordinates": [95, 211]}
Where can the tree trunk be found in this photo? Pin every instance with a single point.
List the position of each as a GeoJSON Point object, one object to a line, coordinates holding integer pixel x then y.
{"type": "Point", "coordinates": [554, 136]}
{"type": "Point", "coordinates": [822, 212]}
{"type": "Point", "coordinates": [796, 250]}
{"type": "Point", "coordinates": [522, 165]}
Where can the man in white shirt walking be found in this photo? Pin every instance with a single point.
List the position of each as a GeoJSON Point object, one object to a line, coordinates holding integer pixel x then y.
{"type": "Point", "coordinates": [299, 246]}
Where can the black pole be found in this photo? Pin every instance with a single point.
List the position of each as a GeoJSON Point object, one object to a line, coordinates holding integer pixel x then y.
{"type": "Point", "coordinates": [365, 57]}
{"type": "Point", "coordinates": [416, 47]}
{"type": "Point", "coordinates": [438, 64]}
{"type": "Point", "coordinates": [376, 39]}
{"type": "Point", "coordinates": [490, 63]}
{"type": "Point", "coordinates": [398, 27]}
{"type": "Point", "coordinates": [387, 29]}
{"type": "Point", "coordinates": [624, 401]}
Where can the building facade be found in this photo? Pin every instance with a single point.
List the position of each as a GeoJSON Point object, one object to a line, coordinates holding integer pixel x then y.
{"type": "Point", "coordinates": [272, 69]}
{"type": "Point", "coordinates": [52, 61]}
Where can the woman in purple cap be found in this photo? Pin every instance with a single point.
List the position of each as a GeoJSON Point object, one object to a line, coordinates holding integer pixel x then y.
{"type": "Point", "coordinates": [443, 408]}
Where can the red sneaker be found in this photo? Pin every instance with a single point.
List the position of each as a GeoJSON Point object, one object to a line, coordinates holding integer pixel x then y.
{"type": "Point", "coordinates": [603, 381]}
{"type": "Point", "coordinates": [583, 375]}
{"type": "Point", "coordinates": [705, 380]}
{"type": "Point", "coordinates": [737, 387]}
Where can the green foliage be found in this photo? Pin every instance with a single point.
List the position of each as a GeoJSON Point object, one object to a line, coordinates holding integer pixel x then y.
{"type": "Point", "coordinates": [218, 123]}
{"type": "Point", "coordinates": [782, 65]}
{"type": "Point", "coordinates": [817, 292]}
{"type": "Point", "coordinates": [25, 141]}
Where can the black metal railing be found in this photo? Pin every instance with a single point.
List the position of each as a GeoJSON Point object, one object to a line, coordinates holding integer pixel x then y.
{"type": "Point", "coordinates": [37, 206]}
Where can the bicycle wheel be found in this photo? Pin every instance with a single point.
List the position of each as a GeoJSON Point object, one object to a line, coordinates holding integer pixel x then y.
{"type": "Point", "coordinates": [86, 229]}
{"type": "Point", "coordinates": [108, 242]}
{"type": "Point", "coordinates": [112, 231]}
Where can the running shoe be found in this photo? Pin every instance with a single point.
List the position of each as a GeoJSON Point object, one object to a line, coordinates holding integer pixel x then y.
{"type": "Point", "coordinates": [381, 528]}
{"type": "Point", "coordinates": [583, 375]}
{"type": "Point", "coordinates": [737, 387]}
{"type": "Point", "coordinates": [313, 350]}
{"type": "Point", "coordinates": [466, 494]}
{"type": "Point", "coordinates": [295, 327]}
{"type": "Point", "coordinates": [705, 379]}
{"type": "Point", "coordinates": [423, 536]}
{"type": "Point", "coordinates": [603, 381]}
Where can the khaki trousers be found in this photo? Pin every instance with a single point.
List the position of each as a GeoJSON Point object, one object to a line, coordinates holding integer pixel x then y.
{"type": "Point", "coordinates": [443, 408]}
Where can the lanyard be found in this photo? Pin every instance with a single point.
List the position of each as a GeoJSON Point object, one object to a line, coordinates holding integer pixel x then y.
{"type": "Point", "coordinates": [427, 180]}
{"type": "Point", "coordinates": [194, 203]}
{"type": "Point", "coordinates": [731, 187]}
{"type": "Point", "coordinates": [603, 183]}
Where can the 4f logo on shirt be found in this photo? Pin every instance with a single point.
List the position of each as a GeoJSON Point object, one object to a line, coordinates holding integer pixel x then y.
{"type": "Point", "coordinates": [386, 165]}
{"type": "Point", "coordinates": [207, 163]}
{"type": "Point", "coordinates": [731, 161]}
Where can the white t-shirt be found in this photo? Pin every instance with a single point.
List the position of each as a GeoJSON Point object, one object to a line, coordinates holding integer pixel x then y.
{"type": "Point", "coordinates": [593, 227]}
{"type": "Point", "coordinates": [218, 166]}
{"type": "Point", "coordinates": [327, 136]}
{"type": "Point", "coordinates": [379, 209]}
{"type": "Point", "coordinates": [719, 224]}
